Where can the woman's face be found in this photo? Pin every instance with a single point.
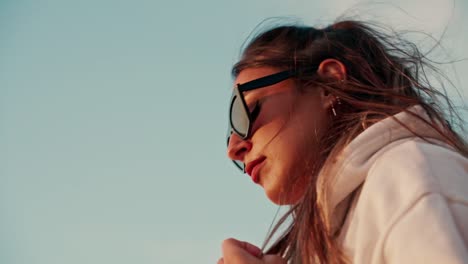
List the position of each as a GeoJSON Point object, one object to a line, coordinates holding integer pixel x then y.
{"type": "Point", "coordinates": [284, 137]}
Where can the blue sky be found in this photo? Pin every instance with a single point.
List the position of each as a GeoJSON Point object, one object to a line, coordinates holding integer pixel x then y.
{"type": "Point", "coordinates": [113, 121]}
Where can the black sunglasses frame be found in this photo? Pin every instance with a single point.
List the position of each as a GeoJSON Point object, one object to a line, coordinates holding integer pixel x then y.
{"type": "Point", "coordinates": [252, 85]}
{"type": "Point", "coordinates": [238, 94]}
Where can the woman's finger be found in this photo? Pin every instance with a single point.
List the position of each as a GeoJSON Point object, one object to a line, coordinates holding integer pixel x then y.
{"type": "Point", "coordinates": [252, 249]}
{"type": "Point", "coordinates": [220, 261]}
{"type": "Point", "coordinates": [239, 252]}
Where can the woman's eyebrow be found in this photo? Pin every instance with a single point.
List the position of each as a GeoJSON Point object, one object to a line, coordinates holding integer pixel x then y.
{"type": "Point", "coordinates": [261, 98]}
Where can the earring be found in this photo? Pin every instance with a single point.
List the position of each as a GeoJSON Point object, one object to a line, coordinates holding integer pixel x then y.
{"type": "Point", "coordinates": [338, 101]}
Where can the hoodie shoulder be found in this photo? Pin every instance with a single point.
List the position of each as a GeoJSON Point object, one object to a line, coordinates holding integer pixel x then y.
{"type": "Point", "coordinates": [407, 171]}
{"type": "Point", "coordinates": [404, 175]}
{"type": "Point", "coordinates": [415, 167]}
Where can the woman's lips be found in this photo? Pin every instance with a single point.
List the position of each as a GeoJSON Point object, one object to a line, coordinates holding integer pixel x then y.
{"type": "Point", "coordinates": [253, 169]}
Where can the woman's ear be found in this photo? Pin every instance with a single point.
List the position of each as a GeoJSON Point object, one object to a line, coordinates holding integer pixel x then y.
{"type": "Point", "coordinates": [332, 69]}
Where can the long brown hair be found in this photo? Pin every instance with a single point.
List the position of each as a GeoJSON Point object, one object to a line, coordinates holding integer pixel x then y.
{"type": "Point", "coordinates": [385, 75]}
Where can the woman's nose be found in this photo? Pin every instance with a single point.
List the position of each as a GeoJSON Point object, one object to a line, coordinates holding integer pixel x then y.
{"type": "Point", "coordinates": [238, 147]}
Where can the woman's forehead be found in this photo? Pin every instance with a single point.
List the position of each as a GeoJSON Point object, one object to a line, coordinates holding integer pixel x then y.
{"type": "Point", "coordinates": [250, 74]}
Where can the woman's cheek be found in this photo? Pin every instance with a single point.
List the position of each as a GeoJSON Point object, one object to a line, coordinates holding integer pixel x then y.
{"type": "Point", "coordinates": [257, 125]}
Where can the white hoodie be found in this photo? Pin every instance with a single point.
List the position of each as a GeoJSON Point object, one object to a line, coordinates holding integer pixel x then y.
{"type": "Point", "coordinates": [396, 198]}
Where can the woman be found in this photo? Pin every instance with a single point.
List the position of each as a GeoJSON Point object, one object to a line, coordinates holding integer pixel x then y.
{"type": "Point", "coordinates": [342, 125]}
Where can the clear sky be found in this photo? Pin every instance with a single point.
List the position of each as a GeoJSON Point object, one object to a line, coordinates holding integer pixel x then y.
{"type": "Point", "coordinates": [113, 118]}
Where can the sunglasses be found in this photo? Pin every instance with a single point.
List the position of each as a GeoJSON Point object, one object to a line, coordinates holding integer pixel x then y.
{"type": "Point", "coordinates": [240, 116]}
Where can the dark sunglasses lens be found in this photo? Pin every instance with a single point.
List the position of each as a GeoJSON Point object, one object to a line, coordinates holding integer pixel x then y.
{"type": "Point", "coordinates": [239, 117]}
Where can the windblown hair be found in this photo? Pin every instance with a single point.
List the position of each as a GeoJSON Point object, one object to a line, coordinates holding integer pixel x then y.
{"type": "Point", "coordinates": [385, 75]}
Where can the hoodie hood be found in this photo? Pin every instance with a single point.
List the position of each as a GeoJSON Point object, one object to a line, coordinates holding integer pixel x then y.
{"type": "Point", "coordinates": [349, 169]}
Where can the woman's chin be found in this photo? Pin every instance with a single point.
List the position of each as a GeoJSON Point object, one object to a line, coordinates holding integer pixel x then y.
{"type": "Point", "coordinates": [279, 198]}
{"type": "Point", "coordinates": [272, 194]}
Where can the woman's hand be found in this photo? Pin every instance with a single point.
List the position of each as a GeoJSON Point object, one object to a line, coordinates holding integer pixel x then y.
{"type": "Point", "coordinates": [240, 252]}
